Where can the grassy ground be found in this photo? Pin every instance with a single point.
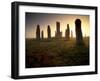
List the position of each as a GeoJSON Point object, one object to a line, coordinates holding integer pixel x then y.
{"type": "Point", "coordinates": [50, 53]}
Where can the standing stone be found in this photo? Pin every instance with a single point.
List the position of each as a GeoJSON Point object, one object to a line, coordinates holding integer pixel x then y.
{"type": "Point", "coordinates": [67, 32]}
{"type": "Point", "coordinates": [49, 32]}
{"type": "Point", "coordinates": [58, 34]}
{"type": "Point", "coordinates": [38, 32]}
{"type": "Point", "coordinates": [42, 34]}
{"type": "Point", "coordinates": [71, 34]}
{"type": "Point", "coordinates": [79, 37]}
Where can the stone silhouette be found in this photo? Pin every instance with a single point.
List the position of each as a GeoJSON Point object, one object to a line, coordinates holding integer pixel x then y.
{"type": "Point", "coordinates": [49, 32]}
{"type": "Point", "coordinates": [71, 34]}
{"type": "Point", "coordinates": [67, 32]}
{"type": "Point", "coordinates": [42, 34]}
{"type": "Point", "coordinates": [79, 37]}
{"type": "Point", "coordinates": [58, 34]}
{"type": "Point", "coordinates": [38, 32]}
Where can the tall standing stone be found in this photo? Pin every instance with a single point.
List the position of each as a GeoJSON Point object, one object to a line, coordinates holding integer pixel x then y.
{"type": "Point", "coordinates": [67, 32]}
{"type": "Point", "coordinates": [49, 32]}
{"type": "Point", "coordinates": [58, 34]}
{"type": "Point", "coordinates": [79, 37]}
{"type": "Point", "coordinates": [42, 34]}
{"type": "Point", "coordinates": [38, 32]}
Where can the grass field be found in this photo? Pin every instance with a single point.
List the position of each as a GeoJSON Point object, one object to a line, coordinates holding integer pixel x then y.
{"type": "Point", "coordinates": [51, 53]}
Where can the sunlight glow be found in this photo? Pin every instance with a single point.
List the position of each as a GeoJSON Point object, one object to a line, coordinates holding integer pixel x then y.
{"type": "Point", "coordinates": [50, 19]}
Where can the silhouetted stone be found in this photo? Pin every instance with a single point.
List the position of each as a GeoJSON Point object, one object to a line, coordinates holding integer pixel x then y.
{"type": "Point", "coordinates": [67, 32]}
{"type": "Point", "coordinates": [38, 32]}
{"type": "Point", "coordinates": [42, 34]}
{"type": "Point", "coordinates": [49, 32]}
{"type": "Point", "coordinates": [71, 34]}
{"type": "Point", "coordinates": [79, 37]}
{"type": "Point", "coordinates": [58, 34]}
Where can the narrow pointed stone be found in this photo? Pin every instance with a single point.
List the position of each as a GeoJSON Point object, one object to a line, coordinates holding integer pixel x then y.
{"type": "Point", "coordinates": [49, 32]}
{"type": "Point", "coordinates": [38, 32]}
{"type": "Point", "coordinates": [67, 32]}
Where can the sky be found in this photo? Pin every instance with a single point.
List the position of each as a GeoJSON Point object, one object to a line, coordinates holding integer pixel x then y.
{"type": "Point", "coordinates": [45, 19]}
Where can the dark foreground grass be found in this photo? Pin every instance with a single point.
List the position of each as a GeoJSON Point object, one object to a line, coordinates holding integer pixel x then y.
{"type": "Point", "coordinates": [51, 53]}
